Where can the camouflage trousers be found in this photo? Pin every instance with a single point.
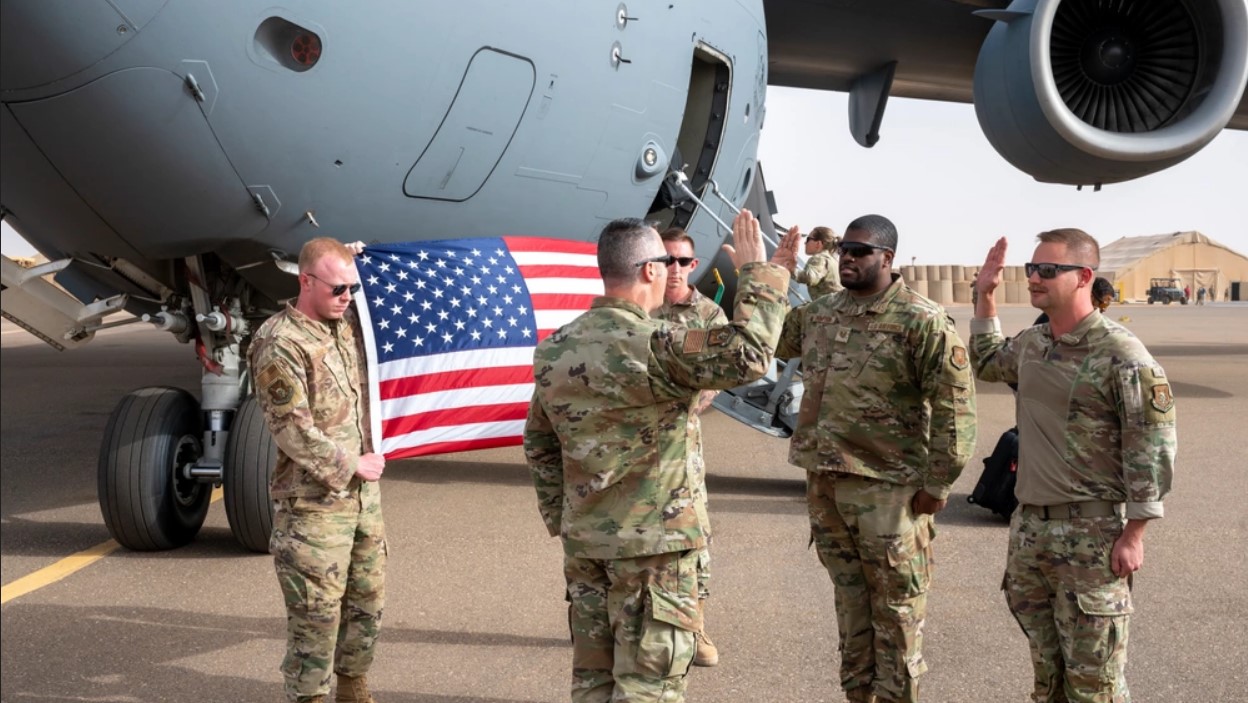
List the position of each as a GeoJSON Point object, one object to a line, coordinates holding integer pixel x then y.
{"type": "Point", "coordinates": [1073, 609]}
{"type": "Point", "coordinates": [633, 623]}
{"type": "Point", "coordinates": [879, 556]}
{"type": "Point", "coordinates": [330, 555]}
{"type": "Point", "coordinates": [704, 521]}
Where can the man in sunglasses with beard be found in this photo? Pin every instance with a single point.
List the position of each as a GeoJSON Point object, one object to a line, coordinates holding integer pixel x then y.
{"type": "Point", "coordinates": [1097, 442]}
{"type": "Point", "coordinates": [887, 422]}
{"type": "Point", "coordinates": [329, 541]}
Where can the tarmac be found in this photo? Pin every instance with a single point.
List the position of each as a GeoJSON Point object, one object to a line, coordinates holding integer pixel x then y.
{"type": "Point", "coordinates": [475, 608]}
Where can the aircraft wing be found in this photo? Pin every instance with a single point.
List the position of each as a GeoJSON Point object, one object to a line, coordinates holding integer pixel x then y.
{"type": "Point", "coordinates": [934, 46]}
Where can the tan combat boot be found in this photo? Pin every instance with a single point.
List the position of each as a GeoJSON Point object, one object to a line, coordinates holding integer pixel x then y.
{"type": "Point", "coordinates": [706, 654]}
{"type": "Point", "coordinates": [353, 690]}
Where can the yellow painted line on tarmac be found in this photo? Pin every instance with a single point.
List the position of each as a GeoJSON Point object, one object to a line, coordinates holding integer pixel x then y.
{"type": "Point", "coordinates": [75, 562]}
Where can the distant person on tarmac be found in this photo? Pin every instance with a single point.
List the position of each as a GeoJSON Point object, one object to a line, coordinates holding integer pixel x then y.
{"type": "Point", "coordinates": [820, 275]}
{"type": "Point", "coordinates": [1200, 296]}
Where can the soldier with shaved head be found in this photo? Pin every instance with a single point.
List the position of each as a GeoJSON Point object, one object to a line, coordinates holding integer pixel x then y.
{"type": "Point", "coordinates": [886, 424]}
{"type": "Point", "coordinates": [329, 540]}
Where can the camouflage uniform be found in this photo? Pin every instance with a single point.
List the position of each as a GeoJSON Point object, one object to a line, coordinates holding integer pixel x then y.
{"type": "Point", "coordinates": [821, 275]}
{"type": "Point", "coordinates": [699, 312]}
{"type": "Point", "coordinates": [328, 539]}
{"type": "Point", "coordinates": [1096, 427]}
{"type": "Point", "coordinates": [888, 409]}
{"type": "Point", "coordinates": [607, 442]}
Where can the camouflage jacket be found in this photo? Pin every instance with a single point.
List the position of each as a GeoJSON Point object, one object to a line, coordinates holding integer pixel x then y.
{"type": "Point", "coordinates": [698, 312]}
{"type": "Point", "coordinates": [1096, 417]}
{"type": "Point", "coordinates": [821, 275]}
{"type": "Point", "coordinates": [607, 432]}
{"type": "Point", "coordinates": [311, 384]}
{"type": "Point", "coordinates": [888, 389]}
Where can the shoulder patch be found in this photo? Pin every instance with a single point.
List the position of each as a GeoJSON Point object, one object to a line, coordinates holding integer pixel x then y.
{"type": "Point", "coordinates": [958, 358]}
{"type": "Point", "coordinates": [278, 388]}
{"type": "Point", "coordinates": [1162, 399]}
{"type": "Point", "coordinates": [695, 341]}
{"type": "Point", "coordinates": [719, 336]}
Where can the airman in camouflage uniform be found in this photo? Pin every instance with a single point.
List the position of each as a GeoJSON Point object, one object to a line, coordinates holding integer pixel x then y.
{"type": "Point", "coordinates": [1096, 428]}
{"type": "Point", "coordinates": [820, 275]}
{"type": "Point", "coordinates": [328, 540]}
{"type": "Point", "coordinates": [886, 424]}
{"type": "Point", "coordinates": [607, 442]}
{"type": "Point", "coordinates": [685, 306]}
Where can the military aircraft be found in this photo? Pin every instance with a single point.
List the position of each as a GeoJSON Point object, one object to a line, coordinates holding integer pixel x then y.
{"type": "Point", "coordinates": [169, 157]}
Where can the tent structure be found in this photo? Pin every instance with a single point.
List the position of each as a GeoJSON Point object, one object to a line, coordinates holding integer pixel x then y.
{"type": "Point", "coordinates": [1196, 260]}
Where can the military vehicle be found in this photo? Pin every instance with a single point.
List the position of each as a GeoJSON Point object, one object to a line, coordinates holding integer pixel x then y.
{"type": "Point", "coordinates": [1166, 290]}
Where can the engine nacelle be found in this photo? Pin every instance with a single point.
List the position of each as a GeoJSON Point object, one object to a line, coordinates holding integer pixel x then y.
{"type": "Point", "coordinates": [1086, 92]}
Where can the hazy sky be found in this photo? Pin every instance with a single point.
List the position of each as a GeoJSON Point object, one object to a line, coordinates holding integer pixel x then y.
{"type": "Point", "coordinates": [936, 177]}
{"type": "Point", "coordinates": [934, 174]}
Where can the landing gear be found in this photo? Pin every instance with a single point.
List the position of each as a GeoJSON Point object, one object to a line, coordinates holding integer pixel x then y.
{"type": "Point", "coordinates": [148, 499]}
{"type": "Point", "coordinates": [249, 458]}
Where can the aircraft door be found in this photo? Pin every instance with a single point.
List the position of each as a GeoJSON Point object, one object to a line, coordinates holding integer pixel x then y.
{"type": "Point", "coordinates": [112, 149]}
{"type": "Point", "coordinates": [476, 130]}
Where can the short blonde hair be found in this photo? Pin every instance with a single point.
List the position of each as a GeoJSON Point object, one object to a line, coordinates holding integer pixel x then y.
{"type": "Point", "coordinates": [316, 249]}
{"type": "Point", "coordinates": [1077, 242]}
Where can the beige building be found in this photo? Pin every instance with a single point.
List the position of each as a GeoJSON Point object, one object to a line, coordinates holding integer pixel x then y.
{"type": "Point", "coordinates": [1196, 260]}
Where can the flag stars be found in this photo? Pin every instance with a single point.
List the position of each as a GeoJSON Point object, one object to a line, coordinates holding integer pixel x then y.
{"type": "Point", "coordinates": [391, 287]}
{"type": "Point", "coordinates": [397, 309]}
{"type": "Point", "coordinates": [437, 293]}
{"type": "Point", "coordinates": [498, 312]}
{"type": "Point", "coordinates": [511, 322]}
{"type": "Point", "coordinates": [426, 305]}
{"type": "Point", "coordinates": [454, 302]}
{"type": "Point", "coordinates": [446, 337]}
{"type": "Point", "coordinates": [526, 332]}
{"type": "Point", "coordinates": [402, 275]}
{"type": "Point", "coordinates": [378, 301]}
{"type": "Point", "coordinates": [383, 267]}
{"type": "Point", "coordinates": [423, 255]}
{"type": "Point", "coordinates": [420, 285]}
{"type": "Point", "coordinates": [523, 310]}
{"type": "Point", "coordinates": [502, 333]}
{"type": "Point", "coordinates": [409, 297]}
{"type": "Point", "coordinates": [413, 318]}
{"type": "Point", "coordinates": [383, 324]}
{"type": "Point", "coordinates": [443, 315]}
{"type": "Point", "coordinates": [440, 264]}
{"type": "Point", "coordinates": [507, 299]}
{"type": "Point", "coordinates": [373, 280]}
{"type": "Point", "coordinates": [394, 257]}
{"type": "Point", "coordinates": [459, 325]}
{"type": "Point", "coordinates": [366, 259]}
{"type": "Point", "coordinates": [401, 332]}
{"type": "Point", "coordinates": [431, 328]}
{"type": "Point", "coordinates": [476, 336]}
{"type": "Point", "coordinates": [387, 347]}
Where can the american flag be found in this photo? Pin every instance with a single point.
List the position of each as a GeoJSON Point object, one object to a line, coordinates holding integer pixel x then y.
{"type": "Point", "coordinates": [450, 327]}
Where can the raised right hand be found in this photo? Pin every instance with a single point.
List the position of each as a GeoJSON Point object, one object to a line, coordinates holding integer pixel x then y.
{"type": "Point", "coordinates": [747, 241]}
{"type": "Point", "coordinates": [990, 275]}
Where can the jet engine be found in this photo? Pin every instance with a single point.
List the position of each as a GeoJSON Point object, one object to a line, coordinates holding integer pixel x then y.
{"type": "Point", "coordinates": [1088, 92]}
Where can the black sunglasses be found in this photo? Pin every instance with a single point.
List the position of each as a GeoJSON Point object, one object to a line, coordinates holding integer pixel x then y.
{"type": "Point", "coordinates": [341, 288]}
{"type": "Point", "coordinates": [859, 250]}
{"type": "Point", "coordinates": [666, 260]}
{"type": "Point", "coordinates": [1050, 270]}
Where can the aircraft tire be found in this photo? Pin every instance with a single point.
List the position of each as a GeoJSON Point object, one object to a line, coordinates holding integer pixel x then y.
{"type": "Point", "coordinates": [146, 504]}
{"type": "Point", "coordinates": [249, 458]}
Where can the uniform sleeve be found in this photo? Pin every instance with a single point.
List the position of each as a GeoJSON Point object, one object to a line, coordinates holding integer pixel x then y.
{"type": "Point", "coordinates": [725, 356]}
{"type": "Point", "coordinates": [790, 345]}
{"type": "Point", "coordinates": [816, 269]}
{"type": "Point", "coordinates": [994, 357]}
{"type": "Point", "coordinates": [544, 454]}
{"type": "Point", "coordinates": [282, 393]}
{"type": "Point", "coordinates": [944, 369]}
{"type": "Point", "coordinates": [1149, 438]}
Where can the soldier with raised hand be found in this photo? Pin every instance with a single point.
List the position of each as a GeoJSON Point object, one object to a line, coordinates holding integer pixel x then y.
{"type": "Point", "coordinates": [607, 442]}
{"type": "Point", "coordinates": [1096, 427]}
{"type": "Point", "coordinates": [886, 424]}
{"type": "Point", "coordinates": [685, 305]}
{"type": "Point", "coordinates": [820, 274]}
{"type": "Point", "coordinates": [329, 541]}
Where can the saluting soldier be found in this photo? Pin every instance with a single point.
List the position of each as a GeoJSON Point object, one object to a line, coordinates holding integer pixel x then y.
{"type": "Point", "coordinates": [608, 444]}
{"type": "Point", "coordinates": [886, 424]}
{"type": "Point", "coordinates": [329, 541]}
{"type": "Point", "coordinates": [821, 274]}
{"type": "Point", "coordinates": [1096, 428]}
{"type": "Point", "coordinates": [685, 305]}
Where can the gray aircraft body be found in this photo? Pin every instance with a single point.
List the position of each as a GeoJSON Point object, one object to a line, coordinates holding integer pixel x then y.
{"type": "Point", "coordinates": [170, 157]}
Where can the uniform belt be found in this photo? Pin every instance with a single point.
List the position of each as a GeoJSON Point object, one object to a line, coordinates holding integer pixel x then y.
{"type": "Point", "coordinates": [1066, 511]}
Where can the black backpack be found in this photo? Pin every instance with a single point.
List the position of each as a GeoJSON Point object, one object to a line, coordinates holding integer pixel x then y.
{"type": "Point", "coordinates": [995, 489]}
